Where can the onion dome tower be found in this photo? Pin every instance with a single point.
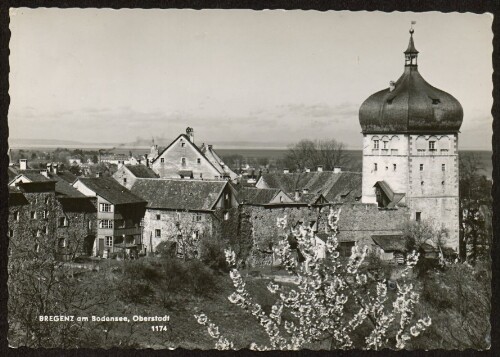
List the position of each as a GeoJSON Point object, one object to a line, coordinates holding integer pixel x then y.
{"type": "Point", "coordinates": [410, 148]}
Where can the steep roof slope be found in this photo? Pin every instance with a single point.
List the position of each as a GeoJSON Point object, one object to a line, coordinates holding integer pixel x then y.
{"type": "Point", "coordinates": [180, 194]}
{"type": "Point", "coordinates": [110, 190]}
{"type": "Point", "coordinates": [141, 171]}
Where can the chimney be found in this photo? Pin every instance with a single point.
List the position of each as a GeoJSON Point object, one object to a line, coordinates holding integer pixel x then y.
{"type": "Point", "coordinates": [286, 171]}
{"type": "Point", "coordinates": [44, 173]}
{"type": "Point", "coordinates": [392, 86]}
{"type": "Point", "coordinates": [98, 174]}
{"type": "Point", "coordinates": [337, 169]}
{"type": "Point", "coordinates": [305, 190]}
{"type": "Point", "coordinates": [49, 167]}
{"type": "Point", "coordinates": [320, 168]}
{"type": "Point", "coordinates": [55, 168]}
{"type": "Point", "coordinates": [23, 164]}
{"type": "Point", "coordinates": [308, 169]}
{"type": "Point", "coordinates": [147, 160]}
{"type": "Point", "coordinates": [210, 146]}
{"type": "Point", "coordinates": [297, 195]}
{"type": "Point", "coordinates": [190, 134]}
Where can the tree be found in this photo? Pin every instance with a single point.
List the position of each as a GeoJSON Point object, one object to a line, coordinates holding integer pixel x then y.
{"type": "Point", "coordinates": [475, 210]}
{"type": "Point", "coordinates": [75, 170]}
{"type": "Point", "coordinates": [310, 154]}
{"type": "Point", "coordinates": [317, 312]}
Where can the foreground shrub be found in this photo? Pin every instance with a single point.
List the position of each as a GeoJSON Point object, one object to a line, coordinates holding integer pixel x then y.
{"type": "Point", "coordinates": [212, 255]}
{"type": "Point", "coordinates": [317, 312]}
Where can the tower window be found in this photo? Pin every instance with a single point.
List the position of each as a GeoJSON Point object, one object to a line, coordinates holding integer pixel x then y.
{"type": "Point", "coordinates": [421, 183]}
{"type": "Point", "coordinates": [124, 180]}
{"type": "Point", "coordinates": [394, 167]}
{"type": "Point", "coordinates": [385, 144]}
{"type": "Point", "coordinates": [443, 167]}
{"type": "Point", "coordinates": [418, 216]}
{"type": "Point", "coordinates": [183, 161]}
{"type": "Point", "coordinates": [158, 217]}
{"type": "Point", "coordinates": [442, 183]}
{"type": "Point", "coordinates": [157, 233]}
{"type": "Point", "coordinates": [375, 167]}
{"type": "Point", "coordinates": [375, 144]}
{"type": "Point", "coordinates": [432, 145]}
{"type": "Point", "coordinates": [421, 167]}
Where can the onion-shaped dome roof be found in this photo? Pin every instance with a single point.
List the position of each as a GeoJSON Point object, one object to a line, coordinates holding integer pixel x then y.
{"type": "Point", "coordinates": [410, 105]}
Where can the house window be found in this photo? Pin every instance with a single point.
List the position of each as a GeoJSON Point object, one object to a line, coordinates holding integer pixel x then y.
{"type": "Point", "coordinates": [198, 161]}
{"type": "Point", "coordinates": [109, 241]}
{"type": "Point", "coordinates": [394, 167]}
{"type": "Point", "coordinates": [158, 217]}
{"type": "Point", "coordinates": [105, 207]}
{"type": "Point", "coordinates": [421, 183]}
{"type": "Point", "coordinates": [157, 233]}
{"type": "Point", "coordinates": [418, 216]}
{"type": "Point", "coordinates": [16, 216]}
{"type": "Point", "coordinates": [432, 145]}
{"type": "Point", "coordinates": [345, 249]}
{"type": "Point", "coordinates": [197, 217]}
{"type": "Point", "coordinates": [421, 167]}
{"type": "Point", "coordinates": [375, 144]}
{"type": "Point", "coordinates": [442, 183]}
{"type": "Point", "coordinates": [62, 243]}
{"type": "Point", "coordinates": [63, 222]}
{"type": "Point", "coordinates": [375, 167]}
{"type": "Point", "coordinates": [162, 160]}
{"type": "Point", "coordinates": [11, 233]}
{"type": "Point", "coordinates": [183, 161]}
{"type": "Point", "coordinates": [45, 214]}
{"type": "Point", "coordinates": [106, 223]}
{"type": "Point", "coordinates": [226, 216]}
{"type": "Point", "coordinates": [33, 214]}
{"type": "Point", "coordinates": [124, 180]}
{"type": "Point", "coordinates": [443, 167]}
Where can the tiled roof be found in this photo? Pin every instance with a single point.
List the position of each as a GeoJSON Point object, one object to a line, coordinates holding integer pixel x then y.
{"type": "Point", "coordinates": [195, 195]}
{"type": "Point", "coordinates": [110, 190]}
{"type": "Point", "coordinates": [216, 161]}
{"type": "Point", "coordinates": [67, 176]}
{"type": "Point", "coordinates": [336, 187]}
{"type": "Point", "coordinates": [257, 196]}
{"type": "Point", "coordinates": [34, 176]}
{"type": "Point", "coordinates": [390, 242]}
{"type": "Point", "coordinates": [16, 197]}
{"type": "Point", "coordinates": [64, 188]}
{"type": "Point", "coordinates": [141, 171]}
{"type": "Point", "coordinates": [392, 196]}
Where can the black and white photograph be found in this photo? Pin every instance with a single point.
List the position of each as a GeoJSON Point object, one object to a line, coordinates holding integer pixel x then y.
{"type": "Point", "coordinates": [227, 179]}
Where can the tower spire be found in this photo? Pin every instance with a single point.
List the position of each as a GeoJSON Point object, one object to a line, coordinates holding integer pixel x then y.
{"type": "Point", "coordinates": [411, 52]}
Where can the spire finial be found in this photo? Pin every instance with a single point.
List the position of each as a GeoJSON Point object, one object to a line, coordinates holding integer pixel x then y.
{"type": "Point", "coordinates": [411, 27]}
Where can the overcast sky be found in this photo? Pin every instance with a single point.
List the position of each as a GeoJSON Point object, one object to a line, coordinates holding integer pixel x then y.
{"type": "Point", "coordinates": [99, 75]}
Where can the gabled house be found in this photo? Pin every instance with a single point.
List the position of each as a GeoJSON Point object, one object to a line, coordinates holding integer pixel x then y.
{"type": "Point", "coordinates": [127, 174]}
{"type": "Point", "coordinates": [183, 159]}
{"type": "Point", "coordinates": [386, 198]}
{"type": "Point", "coordinates": [119, 215]}
{"type": "Point", "coordinates": [181, 209]}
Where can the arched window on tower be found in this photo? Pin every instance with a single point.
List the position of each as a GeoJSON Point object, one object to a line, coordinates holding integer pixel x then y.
{"type": "Point", "coordinates": [421, 145]}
